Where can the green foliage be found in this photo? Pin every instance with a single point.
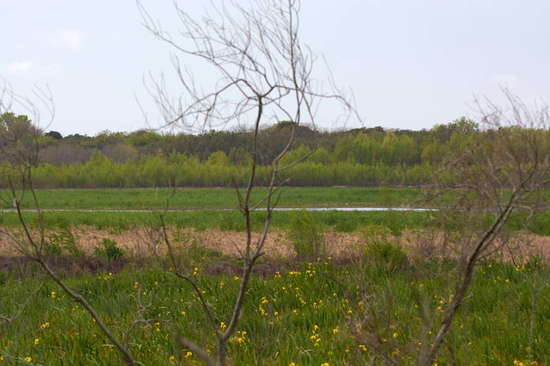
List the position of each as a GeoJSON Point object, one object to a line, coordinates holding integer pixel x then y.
{"type": "Point", "coordinates": [55, 135]}
{"type": "Point", "coordinates": [382, 250]}
{"type": "Point", "coordinates": [19, 140]}
{"type": "Point", "coordinates": [63, 241]}
{"type": "Point", "coordinates": [218, 158]}
{"type": "Point", "coordinates": [108, 249]}
{"type": "Point", "coordinates": [307, 235]}
{"type": "Point", "coordinates": [361, 157]}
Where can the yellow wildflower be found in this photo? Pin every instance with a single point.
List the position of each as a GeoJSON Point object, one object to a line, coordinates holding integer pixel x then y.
{"type": "Point", "coordinates": [37, 341]}
{"type": "Point", "coordinates": [188, 354]}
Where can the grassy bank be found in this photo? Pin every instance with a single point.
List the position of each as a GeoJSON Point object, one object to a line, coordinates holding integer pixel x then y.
{"type": "Point", "coordinates": [309, 316]}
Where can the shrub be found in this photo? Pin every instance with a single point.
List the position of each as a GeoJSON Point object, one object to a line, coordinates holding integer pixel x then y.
{"type": "Point", "coordinates": [109, 250]}
{"type": "Point", "coordinates": [382, 250]}
{"type": "Point", "coordinates": [63, 241]}
{"type": "Point", "coordinates": [307, 235]}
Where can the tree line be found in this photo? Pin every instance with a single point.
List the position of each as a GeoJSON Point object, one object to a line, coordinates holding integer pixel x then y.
{"type": "Point", "coordinates": [361, 157]}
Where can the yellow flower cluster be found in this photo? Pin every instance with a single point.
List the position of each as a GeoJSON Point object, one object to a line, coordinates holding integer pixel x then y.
{"type": "Point", "coordinates": [526, 363]}
{"type": "Point", "coordinates": [106, 277]}
{"type": "Point", "coordinates": [315, 337]}
{"type": "Point", "coordinates": [240, 337]}
{"type": "Point", "coordinates": [261, 309]}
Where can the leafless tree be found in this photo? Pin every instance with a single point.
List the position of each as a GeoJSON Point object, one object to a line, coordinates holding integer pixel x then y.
{"type": "Point", "coordinates": [263, 73]}
{"type": "Point", "coordinates": [497, 172]}
{"type": "Point", "coordinates": [500, 171]}
{"type": "Point", "coordinates": [19, 140]}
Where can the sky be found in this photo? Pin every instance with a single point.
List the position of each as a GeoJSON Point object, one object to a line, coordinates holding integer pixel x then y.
{"type": "Point", "coordinates": [410, 63]}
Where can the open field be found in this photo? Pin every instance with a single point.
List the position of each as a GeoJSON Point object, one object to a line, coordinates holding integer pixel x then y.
{"type": "Point", "coordinates": [204, 198]}
{"type": "Point", "coordinates": [225, 220]}
{"type": "Point", "coordinates": [312, 312]}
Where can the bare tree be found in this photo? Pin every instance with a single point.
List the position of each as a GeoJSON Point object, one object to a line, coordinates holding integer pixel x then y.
{"type": "Point", "coordinates": [497, 172]}
{"type": "Point", "coordinates": [19, 141]}
{"type": "Point", "coordinates": [500, 171]}
{"type": "Point", "coordinates": [263, 73]}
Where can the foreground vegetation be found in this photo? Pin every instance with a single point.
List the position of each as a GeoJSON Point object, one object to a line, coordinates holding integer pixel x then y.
{"type": "Point", "coordinates": [311, 313]}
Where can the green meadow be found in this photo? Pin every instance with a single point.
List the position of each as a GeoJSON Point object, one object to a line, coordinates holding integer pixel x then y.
{"type": "Point", "coordinates": [301, 314]}
{"type": "Point", "coordinates": [204, 198]}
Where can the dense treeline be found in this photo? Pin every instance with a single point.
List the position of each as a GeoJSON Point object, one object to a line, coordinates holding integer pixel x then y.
{"type": "Point", "coordinates": [364, 146]}
{"type": "Point", "coordinates": [362, 157]}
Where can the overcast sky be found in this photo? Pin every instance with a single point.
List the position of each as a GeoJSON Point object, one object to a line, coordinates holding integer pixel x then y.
{"type": "Point", "coordinates": [411, 63]}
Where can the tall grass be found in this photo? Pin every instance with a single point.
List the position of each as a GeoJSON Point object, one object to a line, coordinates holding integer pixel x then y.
{"type": "Point", "coordinates": [309, 316]}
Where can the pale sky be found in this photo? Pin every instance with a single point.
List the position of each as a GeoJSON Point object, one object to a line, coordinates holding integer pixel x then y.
{"type": "Point", "coordinates": [410, 63]}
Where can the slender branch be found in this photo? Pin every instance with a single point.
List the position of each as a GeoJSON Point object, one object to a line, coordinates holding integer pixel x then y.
{"type": "Point", "coordinates": [128, 359]}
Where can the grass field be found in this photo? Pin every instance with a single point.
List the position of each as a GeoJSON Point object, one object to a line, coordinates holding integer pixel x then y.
{"type": "Point", "coordinates": [311, 313]}
{"type": "Point", "coordinates": [308, 315]}
{"type": "Point", "coordinates": [223, 197]}
{"type": "Point", "coordinates": [337, 221]}
{"type": "Point", "coordinates": [224, 220]}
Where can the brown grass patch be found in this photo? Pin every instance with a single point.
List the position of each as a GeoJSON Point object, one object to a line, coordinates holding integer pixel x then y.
{"type": "Point", "coordinates": [142, 242]}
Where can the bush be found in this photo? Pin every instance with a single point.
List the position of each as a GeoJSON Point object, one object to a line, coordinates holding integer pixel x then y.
{"type": "Point", "coordinates": [382, 250]}
{"type": "Point", "coordinates": [109, 250]}
{"type": "Point", "coordinates": [307, 235]}
{"type": "Point", "coordinates": [63, 241]}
